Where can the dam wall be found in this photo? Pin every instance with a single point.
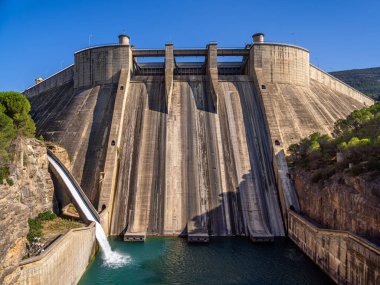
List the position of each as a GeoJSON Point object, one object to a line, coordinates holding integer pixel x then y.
{"type": "Point", "coordinates": [175, 147]}
{"type": "Point", "coordinates": [63, 262]}
{"type": "Point", "coordinates": [345, 257]}
{"type": "Point", "coordinates": [56, 80]}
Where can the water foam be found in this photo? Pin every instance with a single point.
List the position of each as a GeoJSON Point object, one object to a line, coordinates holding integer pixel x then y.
{"type": "Point", "coordinates": [110, 258]}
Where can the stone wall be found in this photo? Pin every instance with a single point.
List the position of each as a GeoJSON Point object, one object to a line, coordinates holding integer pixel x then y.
{"type": "Point", "coordinates": [347, 258]}
{"type": "Point", "coordinates": [56, 80]}
{"type": "Point", "coordinates": [64, 262]}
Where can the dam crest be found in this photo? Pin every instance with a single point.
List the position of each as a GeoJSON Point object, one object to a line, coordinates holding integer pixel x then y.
{"type": "Point", "coordinates": [189, 148]}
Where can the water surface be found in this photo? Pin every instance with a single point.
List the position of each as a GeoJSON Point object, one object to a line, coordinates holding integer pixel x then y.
{"type": "Point", "coordinates": [222, 261]}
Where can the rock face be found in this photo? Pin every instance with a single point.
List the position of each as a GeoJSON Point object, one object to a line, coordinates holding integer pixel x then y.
{"type": "Point", "coordinates": [31, 194]}
{"type": "Point", "coordinates": [343, 202]}
{"type": "Point", "coordinates": [61, 154]}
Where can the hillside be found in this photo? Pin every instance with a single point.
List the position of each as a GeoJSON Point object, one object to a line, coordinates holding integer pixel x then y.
{"type": "Point", "coordinates": [366, 80]}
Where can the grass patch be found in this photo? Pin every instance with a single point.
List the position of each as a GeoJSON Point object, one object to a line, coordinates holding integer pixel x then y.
{"type": "Point", "coordinates": [59, 226]}
{"type": "Point", "coordinates": [47, 224]}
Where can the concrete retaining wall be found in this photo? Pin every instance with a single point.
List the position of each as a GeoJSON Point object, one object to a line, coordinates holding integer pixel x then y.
{"type": "Point", "coordinates": [63, 262]}
{"type": "Point", "coordinates": [337, 85]}
{"type": "Point", "coordinates": [57, 79]}
{"type": "Point", "coordinates": [100, 65]}
{"type": "Point", "coordinates": [347, 258]}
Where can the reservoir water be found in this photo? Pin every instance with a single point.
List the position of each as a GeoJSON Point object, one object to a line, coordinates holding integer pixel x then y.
{"type": "Point", "coordinates": [222, 261]}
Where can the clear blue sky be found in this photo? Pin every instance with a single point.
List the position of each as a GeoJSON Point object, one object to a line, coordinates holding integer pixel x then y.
{"type": "Point", "coordinates": [37, 38]}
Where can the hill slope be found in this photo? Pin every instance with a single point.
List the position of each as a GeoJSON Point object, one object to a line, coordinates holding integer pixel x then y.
{"type": "Point", "coordinates": [366, 80]}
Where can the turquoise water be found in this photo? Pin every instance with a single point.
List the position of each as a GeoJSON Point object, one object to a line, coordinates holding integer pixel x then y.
{"type": "Point", "coordinates": [222, 261]}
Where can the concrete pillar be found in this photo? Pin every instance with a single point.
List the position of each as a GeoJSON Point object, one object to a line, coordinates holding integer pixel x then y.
{"type": "Point", "coordinates": [212, 70]}
{"type": "Point", "coordinates": [123, 39]}
{"type": "Point", "coordinates": [258, 38]}
{"type": "Point", "coordinates": [108, 188]}
{"type": "Point", "coordinates": [169, 69]}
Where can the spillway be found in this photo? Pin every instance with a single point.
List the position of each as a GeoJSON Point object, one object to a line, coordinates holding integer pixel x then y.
{"type": "Point", "coordinates": [111, 258]}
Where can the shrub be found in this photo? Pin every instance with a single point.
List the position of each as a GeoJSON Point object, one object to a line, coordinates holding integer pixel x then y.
{"type": "Point", "coordinates": [357, 136]}
{"type": "Point", "coordinates": [9, 181]}
{"type": "Point", "coordinates": [35, 229]}
{"type": "Point", "coordinates": [342, 146]}
{"type": "Point", "coordinates": [314, 146]}
{"type": "Point", "coordinates": [4, 172]}
{"type": "Point", "coordinates": [46, 216]}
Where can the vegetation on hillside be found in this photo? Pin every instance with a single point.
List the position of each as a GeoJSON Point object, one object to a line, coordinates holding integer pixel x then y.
{"type": "Point", "coordinates": [365, 80]}
{"type": "Point", "coordinates": [356, 140]}
{"type": "Point", "coordinates": [15, 120]}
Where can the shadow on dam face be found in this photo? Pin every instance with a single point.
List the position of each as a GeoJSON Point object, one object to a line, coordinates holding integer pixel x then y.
{"type": "Point", "coordinates": [155, 89]}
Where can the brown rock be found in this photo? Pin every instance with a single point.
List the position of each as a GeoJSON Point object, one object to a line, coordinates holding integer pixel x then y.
{"type": "Point", "coordinates": [31, 193]}
{"type": "Point", "coordinates": [343, 202]}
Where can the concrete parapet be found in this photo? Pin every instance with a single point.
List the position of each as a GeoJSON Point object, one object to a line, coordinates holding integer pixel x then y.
{"type": "Point", "coordinates": [56, 80]}
{"type": "Point", "coordinates": [100, 65]}
{"type": "Point", "coordinates": [339, 86]}
{"type": "Point", "coordinates": [169, 69]}
{"type": "Point", "coordinates": [63, 262]}
{"type": "Point", "coordinates": [280, 63]}
{"type": "Point", "coordinates": [345, 257]}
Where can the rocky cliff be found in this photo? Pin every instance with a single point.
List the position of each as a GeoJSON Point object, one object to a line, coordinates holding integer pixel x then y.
{"type": "Point", "coordinates": [31, 193]}
{"type": "Point", "coordinates": [342, 202]}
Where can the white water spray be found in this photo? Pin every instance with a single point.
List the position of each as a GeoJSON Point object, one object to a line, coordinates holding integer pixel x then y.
{"type": "Point", "coordinates": [111, 258]}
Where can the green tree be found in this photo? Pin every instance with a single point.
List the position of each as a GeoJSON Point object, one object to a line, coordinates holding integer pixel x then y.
{"type": "Point", "coordinates": [17, 107]}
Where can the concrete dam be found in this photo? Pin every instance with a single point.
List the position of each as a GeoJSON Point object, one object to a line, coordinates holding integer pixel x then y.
{"type": "Point", "coordinates": [188, 148]}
